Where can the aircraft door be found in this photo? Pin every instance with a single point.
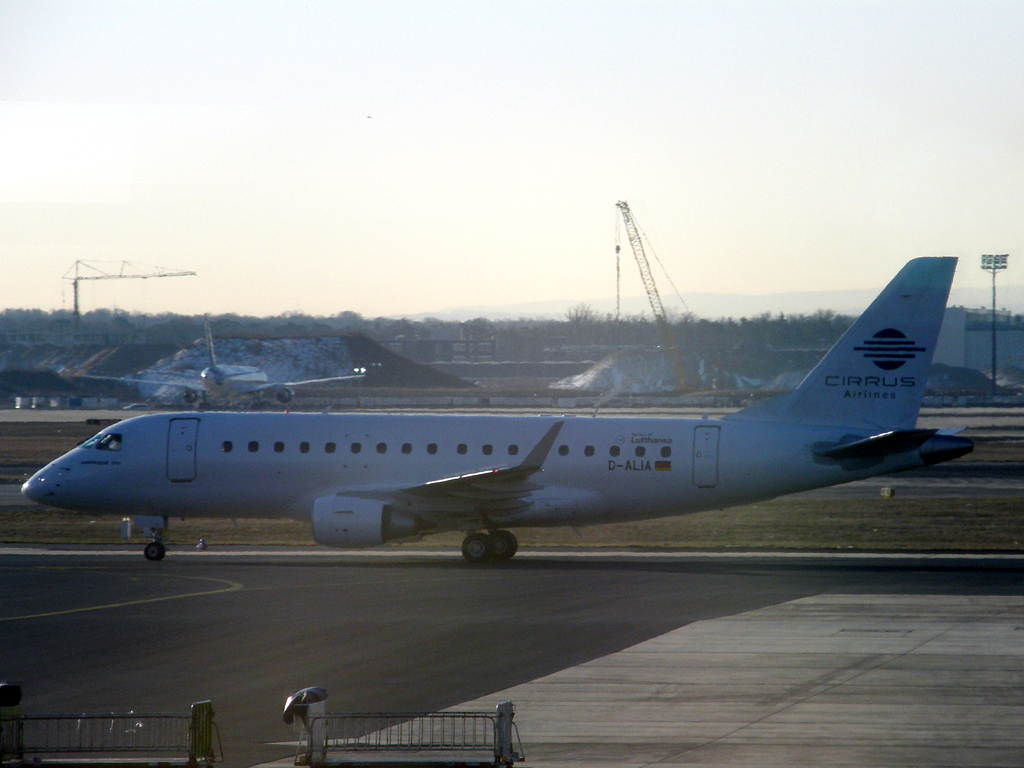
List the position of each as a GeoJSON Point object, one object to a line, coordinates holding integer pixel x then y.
{"type": "Point", "coordinates": [705, 456]}
{"type": "Point", "coordinates": [181, 450]}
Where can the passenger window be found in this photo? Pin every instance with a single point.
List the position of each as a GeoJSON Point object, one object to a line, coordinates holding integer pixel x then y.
{"type": "Point", "coordinates": [666, 452]}
{"type": "Point", "coordinates": [432, 449]}
{"type": "Point", "coordinates": [357, 447]}
{"type": "Point", "coordinates": [278, 447]}
{"type": "Point", "coordinates": [303, 447]}
{"type": "Point", "coordinates": [488, 450]}
{"type": "Point", "coordinates": [563, 450]}
{"type": "Point", "coordinates": [613, 451]}
{"type": "Point", "coordinates": [329, 447]}
{"type": "Point", "coordinates": [110, 442]}
{"type": "Point", "coordinates": [463, 448]}
{"type": "Point", "coordinates": [253, 446]}
{"type": "Point", "coordinates": [226, 446]}
{"type": "Point", "coordinates": [406, 448]}
{"type": "Point", "coordinates": [513, 450]}
{"type": "Point", "coordinates": [640, 450]}
{"type": "Point", "coordinates": [382, 447]}
{"type": "Point", "coordinates": [588, 451]}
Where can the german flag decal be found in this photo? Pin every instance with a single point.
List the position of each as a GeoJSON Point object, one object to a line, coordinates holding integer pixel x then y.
{"type": "Point", "coordinates": [662, 466]}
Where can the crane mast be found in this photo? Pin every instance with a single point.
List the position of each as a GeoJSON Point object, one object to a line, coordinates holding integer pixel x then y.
{"type": "Point", "coordinates": [661, 319]}
{"type": "Point", "coordinates": [125, 270]}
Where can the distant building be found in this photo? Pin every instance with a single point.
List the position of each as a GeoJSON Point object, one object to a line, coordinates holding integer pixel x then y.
{"type": "Point", "coordinates": [965, 339]}
{"type": "Point", "coordinates": [444, 350]}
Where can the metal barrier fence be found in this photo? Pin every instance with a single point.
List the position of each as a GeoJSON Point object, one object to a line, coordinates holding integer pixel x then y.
{"type": "Point", "coordinates": [411, 732]}
{"type": "Point", "coordinates": [191, 734]}
{"type": "Point", "coordinates": [56, 734]}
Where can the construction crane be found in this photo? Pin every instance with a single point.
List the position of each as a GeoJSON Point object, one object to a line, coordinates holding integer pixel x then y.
{"type": "Point", "coordinates": [121, 271]}
{"type": "Point", "coordinates": [668, 341]}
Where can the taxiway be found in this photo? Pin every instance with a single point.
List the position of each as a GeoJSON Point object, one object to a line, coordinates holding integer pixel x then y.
{"type": "Point", "coordinates": [85, 630]}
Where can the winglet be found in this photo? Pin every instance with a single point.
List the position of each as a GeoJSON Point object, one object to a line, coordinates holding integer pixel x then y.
{"type": "Point", "coordinates": [535, 459]}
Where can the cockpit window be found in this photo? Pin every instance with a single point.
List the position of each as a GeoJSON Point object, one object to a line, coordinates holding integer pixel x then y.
{"type": "Point", "coordinates": [110, 442]}
{"type": "Point", "coordinates": [91, 441]}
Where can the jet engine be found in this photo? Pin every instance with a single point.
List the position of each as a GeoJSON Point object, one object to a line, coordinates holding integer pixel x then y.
{"type": "Point", "coordinates": [346, 521]}
{"type": "Point", "coordinates": [189, 395]}
{"type": "Point", "coordinates": [284, 395]}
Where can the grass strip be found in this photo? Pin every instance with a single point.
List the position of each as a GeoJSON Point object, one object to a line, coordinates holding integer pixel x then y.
{"type": "Point", "coordinates": [897, 524]}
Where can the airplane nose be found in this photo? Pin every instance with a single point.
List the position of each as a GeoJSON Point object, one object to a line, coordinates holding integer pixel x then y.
{"type": "Point", "coordinates": [36, 487]}
{"type": "Point", "coordinates": [42, 486]}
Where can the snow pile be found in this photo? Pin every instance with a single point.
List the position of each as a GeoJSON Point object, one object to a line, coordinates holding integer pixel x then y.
{"type": "Point", "coordinates": [640, 371]}
{"type": "Point", "coordinates": [633, 371]}
{"type": "Point", "coordinates": [786, 381]}
{"type": "Point", "coordinates": [283, 359]}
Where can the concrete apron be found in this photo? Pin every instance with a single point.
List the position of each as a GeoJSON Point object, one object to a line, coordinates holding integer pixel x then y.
{"type": "Point", "coordinates": [831, 680]}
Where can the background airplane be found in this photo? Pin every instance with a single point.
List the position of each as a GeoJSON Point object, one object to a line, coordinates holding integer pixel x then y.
{"type": "Point", "coordinates": [229, 382]}
{"type": "Point", "coordinates": [363, 479]}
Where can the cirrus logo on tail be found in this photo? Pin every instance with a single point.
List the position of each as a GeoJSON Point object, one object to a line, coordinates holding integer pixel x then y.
{"type": "Point", "coordinates": [889, 349]}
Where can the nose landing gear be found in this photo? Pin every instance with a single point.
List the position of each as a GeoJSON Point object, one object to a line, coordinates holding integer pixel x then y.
{"type": "Point", "coordinates": [154, 527]}
{"type": "Point", "coordinates": [498, 546]}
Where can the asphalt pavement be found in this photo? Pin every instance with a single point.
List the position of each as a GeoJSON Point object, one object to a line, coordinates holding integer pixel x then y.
{"type": "Point", "coordinates": [84, 631]}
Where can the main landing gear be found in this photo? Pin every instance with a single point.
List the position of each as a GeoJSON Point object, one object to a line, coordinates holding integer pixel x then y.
{"type": "Point", "coordinates": [497, 546]}
{"type": "Point", "coordinates": [155, 550]}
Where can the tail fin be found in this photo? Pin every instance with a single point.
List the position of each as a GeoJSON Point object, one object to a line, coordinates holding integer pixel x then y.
{"type": "Point", "coordinates": [209, 341]}
{"type": "Point", "coordinates": [875, 375]}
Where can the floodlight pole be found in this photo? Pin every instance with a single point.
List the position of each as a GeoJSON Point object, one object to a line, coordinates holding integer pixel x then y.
{"type": "Point", "coordinates": [994, 263]}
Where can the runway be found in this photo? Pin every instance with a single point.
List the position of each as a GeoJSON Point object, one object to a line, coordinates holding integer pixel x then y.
{"type": "Point", "coordinates": [84, 630]}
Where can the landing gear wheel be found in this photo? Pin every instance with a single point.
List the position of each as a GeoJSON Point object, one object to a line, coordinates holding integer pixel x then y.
{"type": "Point", "coordinates": [155, 550]}
{"type": "Point", "coordinates": [477, 548]}
{"type": "Point", "coordinates": [504, 545]}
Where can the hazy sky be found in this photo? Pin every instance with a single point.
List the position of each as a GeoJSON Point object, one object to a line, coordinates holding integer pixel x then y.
{"type": "Point", "coordinates": [392, 158]}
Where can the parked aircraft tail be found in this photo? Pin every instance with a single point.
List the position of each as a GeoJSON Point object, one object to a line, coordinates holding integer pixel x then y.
{"type": "Point", "coordinates": [209, 341]}
{"type": "Point", "coordinates": [875, 375]}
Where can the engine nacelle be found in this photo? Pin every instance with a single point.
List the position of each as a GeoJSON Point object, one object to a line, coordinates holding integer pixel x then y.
{"type": "Point", "coordinates": [347, 521]}
{"type": "Point", "coordinates": [189, 395]}
{"type": "Point", "coordinates": [284, 395]}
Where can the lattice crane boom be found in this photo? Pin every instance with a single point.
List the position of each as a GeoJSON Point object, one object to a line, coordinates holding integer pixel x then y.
{"type": "Point", "coordinates": [660, 317]}
{"type": "Point", "coordinates": [123, 270]}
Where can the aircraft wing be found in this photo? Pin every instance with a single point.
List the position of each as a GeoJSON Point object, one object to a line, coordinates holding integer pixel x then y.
{"type": "Point", "coordinates": [184, 380]}
{"type": "Point", "coordinates": [498, 488]}
{"type": "Point", "coordinates": [307, 382]}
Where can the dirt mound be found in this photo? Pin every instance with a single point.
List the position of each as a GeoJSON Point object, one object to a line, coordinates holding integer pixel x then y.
{"type": "Point", "coordinates": [94, 359]}
{"type": "Point", "coordinates": [34, 384]}
{"type": "Point", "coordinates": [949, 379]}
{"type": "Point", "coordinates": [49, 384]}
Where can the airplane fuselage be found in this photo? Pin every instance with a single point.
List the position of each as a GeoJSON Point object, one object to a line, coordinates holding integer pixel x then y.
{"type": "Point", "coordinates": [598, 469]}
{"type": "Point", "coordinates": [229, 381]}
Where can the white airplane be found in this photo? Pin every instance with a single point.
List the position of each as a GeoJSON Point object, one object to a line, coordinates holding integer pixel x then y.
{"type": "Point", "coordinates": [229, 382]}
{"type": "Point", "coordinates": [362, 480]}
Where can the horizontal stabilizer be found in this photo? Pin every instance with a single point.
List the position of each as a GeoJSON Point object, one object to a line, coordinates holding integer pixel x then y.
{"type": "Point", "coordinates": [879, 445]}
